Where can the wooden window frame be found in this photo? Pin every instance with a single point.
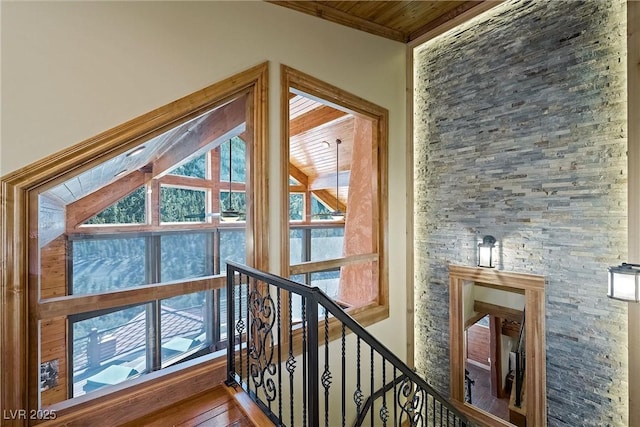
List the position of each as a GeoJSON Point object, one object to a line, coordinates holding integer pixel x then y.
{"type": "Point", "coordinates": [19, 385]}
{"type": "Point", "coordinates": [378, 309]}
{"type": "Point", "coordinates": [535, 388]}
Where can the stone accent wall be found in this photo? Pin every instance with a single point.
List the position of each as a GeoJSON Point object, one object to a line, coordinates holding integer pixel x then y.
{"type": "Point", "coordinates": [520, 132]}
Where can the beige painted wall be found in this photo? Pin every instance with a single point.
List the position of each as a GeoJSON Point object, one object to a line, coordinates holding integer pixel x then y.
{"type": "Point", "coordinates": [71, 70]}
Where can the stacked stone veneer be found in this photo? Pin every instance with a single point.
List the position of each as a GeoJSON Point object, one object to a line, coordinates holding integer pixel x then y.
{"type": "Point", "coordinates": [520, 132]}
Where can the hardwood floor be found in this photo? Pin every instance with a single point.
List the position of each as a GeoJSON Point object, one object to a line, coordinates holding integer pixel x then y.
{"type": "Point", "coordinates": [481, 393]}
{"type": "Point", "coordinates": [215, 408]}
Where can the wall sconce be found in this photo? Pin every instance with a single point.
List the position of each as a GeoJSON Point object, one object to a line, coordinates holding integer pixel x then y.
{"type": "Point", "coordinates": [485, 252]}
{"type": "Point", "coordinates": [623, 282]}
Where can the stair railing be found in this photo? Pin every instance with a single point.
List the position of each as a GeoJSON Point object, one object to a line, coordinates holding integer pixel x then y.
{"type": "Point", "coordinates": [279, 352]}
{"type": "Point", "coordinates": [520, 364]}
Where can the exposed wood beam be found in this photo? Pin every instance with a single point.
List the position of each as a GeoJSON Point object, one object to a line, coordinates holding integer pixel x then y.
{"type": "Point", "coordinates": [186, 181]}
{"type": "Point", "coordinates": [94, 203]}
{"type": "Point", "coordinates": [314, 118]}
{"type": "Point", "coordinates": [473, 319]}
{"type": "Point", "coordinates": [220, 125]}
{"type": "Point", "coordinates": [298, 175]}
{"type": "Point", "coordinates": [328, 180]}
{"type": "Point", "coordinates": [339, 17]}
{"type": "Point", "coordinates": [297, 189]}
{"type": "Point", "coordinates": [498, 311]}
{"type": "Point", "coordinates": [330, 200]}
{"type": "Point", "coordinates": [500, 288]}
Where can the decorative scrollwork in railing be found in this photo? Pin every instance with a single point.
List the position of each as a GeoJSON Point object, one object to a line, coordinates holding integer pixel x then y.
{"type": "Point", "coordinates": [411, 400]}
{"type": "Point", "coordinates": [261, 346]}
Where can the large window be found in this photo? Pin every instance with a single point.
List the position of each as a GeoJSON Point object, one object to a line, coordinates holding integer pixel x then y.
{"type": "Point", "coordinates": [334, 159]}
{"type": "Point", "coordinates": [126, 254]}
{"type": "Point", "coordinates": [188, 236]}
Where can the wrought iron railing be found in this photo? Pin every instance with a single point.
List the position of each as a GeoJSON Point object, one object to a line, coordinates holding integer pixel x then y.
{"type": "Point", "coordinates": [298, 377]}
{"type": "Point", "coordinates": [520, 364]}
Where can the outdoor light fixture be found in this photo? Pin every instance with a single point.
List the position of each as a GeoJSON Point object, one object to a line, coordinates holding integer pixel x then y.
{"type": "Point", "coordinates": [485, 252]}
{"type": "Point", "coordinates": [136, 151]}
{"type": "Point", "coordinates": [623, 282]}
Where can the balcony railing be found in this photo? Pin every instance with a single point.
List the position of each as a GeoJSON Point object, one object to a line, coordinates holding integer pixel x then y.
{"type": "Point", "coordinates": [298, 377]}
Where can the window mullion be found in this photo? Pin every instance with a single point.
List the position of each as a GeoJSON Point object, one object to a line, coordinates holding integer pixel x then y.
{"type": "Point", "coordinates": [153, 312]}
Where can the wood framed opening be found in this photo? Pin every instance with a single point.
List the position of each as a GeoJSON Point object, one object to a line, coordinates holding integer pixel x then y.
{"type": "Point", "coordinates": [334, 185]}
{"type": "Point", "coordinates": [38, 223]}
{"type": "Point", "coordinates": [462, 309]}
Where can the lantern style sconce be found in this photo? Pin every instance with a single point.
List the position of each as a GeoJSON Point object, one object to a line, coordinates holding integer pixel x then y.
{"type": "Point", "coordinates": [485, 252]}
{"type": "Point", "coordinates": [623, 282]}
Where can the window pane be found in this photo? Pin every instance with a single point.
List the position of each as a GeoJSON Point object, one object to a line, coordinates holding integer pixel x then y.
{"type": "Point", "coordinates": [238, 165]}
{"type": "Point", "coordinates": [232, 247]}
{"type": "Point", "coordinates": [194, 168]}
{"type": "Point", "coordinates": [101, 265]}
{"type": "Point", "coordinates": [182, 204]}
{"type": "Point", "coordinates": [296, 246]}
{"type": "Point", "coordinates": [319, 211]}
{"type": "Point", "coordinates": [328, 281]}
{"type": "Point", "coordinates": [296, 206]}
{"type": "Point", "coordinates": [240, 303]}
{"type": "Point", "coordinates": [185, 255]}
{"type": "Point", "coordinates": [128, 210]}
{"type": "Point", "coordinates": [326, 243]}
{"type": "Point", "coordinates": [183, 321]}
{"type": "Point", "coordinates": [109, 349]}
{"type": "Point", "coordinates": [238, 202]}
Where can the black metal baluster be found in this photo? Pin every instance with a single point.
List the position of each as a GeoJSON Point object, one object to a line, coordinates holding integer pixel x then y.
{"type": "Point", "coordinates": [240, 326]}
{"type": "Point", "coordinates": [279, 356]}
{"type": "Point", "coordinates": [304, 361]}
{"type": "Point", "coordinates": [357, 395]}
{"type": "Point", "coordinates": [372, 390]}
{"type": "Point", "coordinates": [291, 361]}
{"type": "Point", "coordinates": [433, 403]}
{"type": "Point", "coordinates": [249, 335]}
{"type": "Point", "coordinates": [395, 402]}
{"type": "Point", "coordinates": [344, 379]}
{"type": "Point", "coordinates": [326, 374]}
{"type": "Point", "coordinates": [384, 414]}
{"type": "Point", "coordinates": [312, 351]}
{"type": "Point", "coordinates": [231, 321]}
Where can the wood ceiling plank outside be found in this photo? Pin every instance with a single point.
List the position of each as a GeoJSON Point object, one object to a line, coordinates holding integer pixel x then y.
{"type": "Point", "coordinates": [300, 105]}
{"type": "Point", "coordinates": [307, 148]}
{"type": "Point", "coordinates": [334, 15]}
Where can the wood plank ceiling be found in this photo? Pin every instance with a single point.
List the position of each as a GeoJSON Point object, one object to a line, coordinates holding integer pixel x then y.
{"type": "Point", "coordinates": [403, 20]}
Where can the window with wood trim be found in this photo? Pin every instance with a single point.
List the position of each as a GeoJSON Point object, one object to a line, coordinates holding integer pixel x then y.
{"type": "Point", "coordinates": [334, 170]}
{"type": "Point", "coordinates": [128, 237]}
